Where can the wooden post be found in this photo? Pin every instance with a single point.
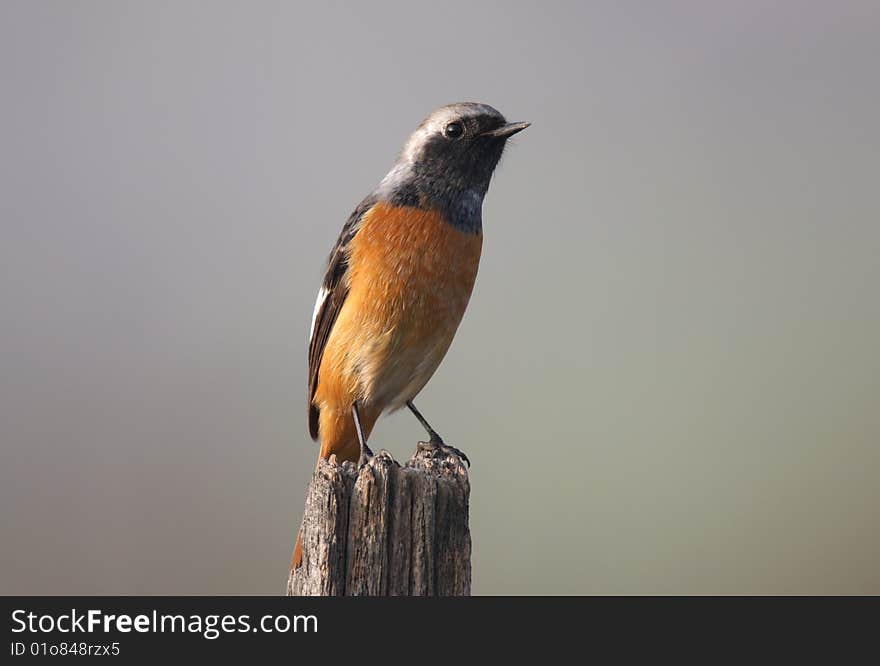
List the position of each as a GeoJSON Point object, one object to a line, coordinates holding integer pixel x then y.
{"type": "Point", "coordinates": [386, 529]}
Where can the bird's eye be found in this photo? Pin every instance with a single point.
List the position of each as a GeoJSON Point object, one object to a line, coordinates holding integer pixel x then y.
{"type": "Point", "coordinates": [453, 130]}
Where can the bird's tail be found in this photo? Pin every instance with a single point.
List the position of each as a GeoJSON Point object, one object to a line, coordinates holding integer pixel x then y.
{"type": "Point", "coordinates": [338, 438]}
{"type": "Point", "coordinates": [296, 559]}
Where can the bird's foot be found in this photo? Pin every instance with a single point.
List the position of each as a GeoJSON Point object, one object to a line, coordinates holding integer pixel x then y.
{"type": "Point", "coordinates": [436, 443]}
{"type": "Point", "coordinates": [366, 456]}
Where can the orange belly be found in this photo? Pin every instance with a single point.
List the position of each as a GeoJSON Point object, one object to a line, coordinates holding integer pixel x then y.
{"type": "Point", "coordinates": [410, 278]}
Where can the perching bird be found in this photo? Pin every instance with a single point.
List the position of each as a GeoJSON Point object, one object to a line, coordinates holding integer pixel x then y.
{"type": "Point", "coordinates": [399, 279]}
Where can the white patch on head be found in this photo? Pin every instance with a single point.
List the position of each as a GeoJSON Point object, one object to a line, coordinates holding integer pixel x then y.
{"type": "Point", "coordinates": [322, 296]}
{"type": "Point", "coordinates": [413, 146]}
{"type": "Point", "coordinates": [399, 174]}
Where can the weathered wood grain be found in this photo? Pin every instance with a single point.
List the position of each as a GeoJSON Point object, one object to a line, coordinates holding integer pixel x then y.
{"type": "Point", "coordinates": [386, 529]}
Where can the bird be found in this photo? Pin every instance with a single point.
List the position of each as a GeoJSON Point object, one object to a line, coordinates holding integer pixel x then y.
{"type": "Point", "coordinates": [398, 281]}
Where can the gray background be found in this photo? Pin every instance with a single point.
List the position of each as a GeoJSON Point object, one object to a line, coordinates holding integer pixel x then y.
{"type": "Point", "coordinates": [667, 379]}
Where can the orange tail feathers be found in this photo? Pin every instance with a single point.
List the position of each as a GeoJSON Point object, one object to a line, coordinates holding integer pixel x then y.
{"type": "Point", "coordinates": [296, 559]}
{"type": "Point", "coordinates": [339, 438]}
{"type": "Point", "coordinates": [338, 434]}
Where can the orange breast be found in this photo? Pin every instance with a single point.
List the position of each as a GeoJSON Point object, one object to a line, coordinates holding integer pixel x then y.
{"type": "Point", "coordinates": [410, 278]}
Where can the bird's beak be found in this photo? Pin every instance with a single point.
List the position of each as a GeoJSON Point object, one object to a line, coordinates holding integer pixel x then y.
{"type": "Point", "coordinates": [506, 130]}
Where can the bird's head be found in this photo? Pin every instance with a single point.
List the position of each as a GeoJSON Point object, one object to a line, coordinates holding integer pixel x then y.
{"type": "Point", "coordinates": [449, 160]}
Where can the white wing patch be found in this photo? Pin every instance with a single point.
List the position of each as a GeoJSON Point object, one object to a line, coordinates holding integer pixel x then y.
{"type": "Point", "coordinates": [322, 296]}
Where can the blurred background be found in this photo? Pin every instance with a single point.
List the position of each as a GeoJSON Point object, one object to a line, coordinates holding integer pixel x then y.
{"type": "Point", "coordinates": [668, 379]}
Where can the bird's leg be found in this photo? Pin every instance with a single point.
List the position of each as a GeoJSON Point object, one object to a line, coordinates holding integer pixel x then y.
{"type": "Point", "coordinates": [366, 453]}
{"type": "Point", "coordinates": [435, 438]}
{"type": "Point", "coordinates": [435, 441]}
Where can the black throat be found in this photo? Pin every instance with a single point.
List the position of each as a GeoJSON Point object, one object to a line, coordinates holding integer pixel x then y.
{"type": "Point", "coordinates": [463, 210]}
{"type": "Point", "coordinates": [458, 199]}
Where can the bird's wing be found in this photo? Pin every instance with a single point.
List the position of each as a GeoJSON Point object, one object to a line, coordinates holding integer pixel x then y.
{"type": "Point", "coordinates": [330, 299]}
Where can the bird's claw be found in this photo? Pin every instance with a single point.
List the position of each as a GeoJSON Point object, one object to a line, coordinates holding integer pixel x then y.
{"type": "Point", "coordinates": [437, 444]}
{"type": "Point", "coordinates": [365, 457]}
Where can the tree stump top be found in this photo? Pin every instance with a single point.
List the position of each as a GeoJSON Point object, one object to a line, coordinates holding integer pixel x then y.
{"type": "Point", "coordinates": [386, 529]}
